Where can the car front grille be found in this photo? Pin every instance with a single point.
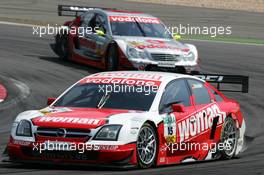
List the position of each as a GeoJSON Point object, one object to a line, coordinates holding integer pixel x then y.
{"type": "Point", "coordinates": [165, 57]}
{"type": "Point", "coordinates": [63, 132]}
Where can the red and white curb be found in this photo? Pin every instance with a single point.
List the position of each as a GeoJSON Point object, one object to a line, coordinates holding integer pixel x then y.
{"type": "Point", "coordinates": [3, 93]}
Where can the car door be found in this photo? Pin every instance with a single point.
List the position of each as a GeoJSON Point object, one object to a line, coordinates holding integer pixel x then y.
{"type": "Point", "coordinates": [102, 41]}
{"type": "Point", "coordinates": [222, 106]}
{"type": "Point", "coordinates": [92, 44]}
{"type": "Point", "coordinates": [177, 124]}
{"type": "Point", "coordinates": [205, 111]}
{"type": "Point", "coordinates": [86, 45]}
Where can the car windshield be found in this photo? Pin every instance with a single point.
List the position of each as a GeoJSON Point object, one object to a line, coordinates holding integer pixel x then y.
{"type": "Point", "coordinates": [93, 95]}
{"type": "Point", "coordinates": [140, 29]}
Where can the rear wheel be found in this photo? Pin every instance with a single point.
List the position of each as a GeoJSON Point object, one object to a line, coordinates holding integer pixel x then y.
{"type": "Point", "coordinates": [229, 137]}
{"type": "Point", "coordinates": [147, 145]}
{"type": "Point", "coordinates": [63, 47]}
{"type": "Point", "coordinates": [112, 58]}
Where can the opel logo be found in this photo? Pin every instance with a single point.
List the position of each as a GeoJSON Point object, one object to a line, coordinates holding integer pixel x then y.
{"type": "Point", "coordinates": [61, 132]}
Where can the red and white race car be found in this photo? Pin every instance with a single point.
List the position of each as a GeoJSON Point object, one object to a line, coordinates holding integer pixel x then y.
{"type": "Point", "coordinates": [122, 40]}
{"type": "Point", "coordinates": [133, 118]}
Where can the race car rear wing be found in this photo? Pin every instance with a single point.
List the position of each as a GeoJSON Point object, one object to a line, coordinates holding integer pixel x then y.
{"type": "Point", "coordinates": [73, 10]}
{"type": "Point", "coordinates": [226, 79]}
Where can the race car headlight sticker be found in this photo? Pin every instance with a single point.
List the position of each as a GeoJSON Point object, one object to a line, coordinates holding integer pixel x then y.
{"type": "Point", "coordinates": [136, 53]}
{"type": "Point", "coordinates": [24, 129]}
{"type": "Point", "coordinates": [109, 132]}
{"type": "Point", "coordinates": [189, 57]}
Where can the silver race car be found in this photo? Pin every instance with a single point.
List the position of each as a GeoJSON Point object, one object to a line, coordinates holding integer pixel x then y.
{"type": "Point", "coordinates": [120, 40]}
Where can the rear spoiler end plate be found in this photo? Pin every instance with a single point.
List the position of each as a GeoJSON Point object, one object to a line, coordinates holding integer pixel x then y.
{"type": "Point", "coordinates": [73, 10]}
{"type": "Point", "coordinates": [226, 79]}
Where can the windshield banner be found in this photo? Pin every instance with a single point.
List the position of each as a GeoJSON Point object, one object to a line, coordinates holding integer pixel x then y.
{"type": "Point", "coordinates": [134, 19]}
{"type": "Point", "coordinates": [127, 81]}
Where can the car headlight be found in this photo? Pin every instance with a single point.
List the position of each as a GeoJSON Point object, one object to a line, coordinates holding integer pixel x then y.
{"type": "Point", "coordinates": [109, 132]}
{"type": "Point", "coordinates": [24, 129]}
{"type": "Point", "coordinates": [133, 52]}
{"type": "Point", "coordinates": [189, 57]}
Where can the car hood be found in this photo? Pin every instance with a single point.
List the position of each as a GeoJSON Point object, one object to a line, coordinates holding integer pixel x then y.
{"type": "Point", "coordinates": [75, 117]}
{"type": "Point", "coordinates": [153, 45]}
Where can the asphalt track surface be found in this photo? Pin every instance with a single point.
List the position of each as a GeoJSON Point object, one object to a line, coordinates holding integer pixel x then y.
{"type": "Point", "coordinates": [32, 72]}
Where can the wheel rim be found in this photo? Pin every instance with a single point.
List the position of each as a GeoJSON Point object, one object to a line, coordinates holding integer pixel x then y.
{"type": "Point", "coordinates": [146, 145]}
{"type": "Point", "coordinates": [230, 137]}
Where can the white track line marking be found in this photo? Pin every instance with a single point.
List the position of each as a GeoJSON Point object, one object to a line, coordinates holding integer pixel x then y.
{"type": "Point", "coordinates": [18, 24]}
{"type": "Point", "coordinates": [224, 42]}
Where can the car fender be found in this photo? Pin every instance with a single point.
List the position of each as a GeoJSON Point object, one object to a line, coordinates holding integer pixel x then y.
{"type": "Point", "coordinates": [132, 122]}
{"type": "Point", "coordinates": [193, 49]}
{"type": "Point", "coordinates": [28, 115]}
{"type": "Point", "coordinates": [121, 44]}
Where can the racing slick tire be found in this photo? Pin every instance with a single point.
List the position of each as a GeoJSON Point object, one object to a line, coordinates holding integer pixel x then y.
{"type": "Point", "coordinates": [147, 146]}
{"type": "Point", "coordinates": [229, 138]}
{"type": "Point", "coordinates": [112, 58]}
{"type": "Point", "coordinates": [63, 47]}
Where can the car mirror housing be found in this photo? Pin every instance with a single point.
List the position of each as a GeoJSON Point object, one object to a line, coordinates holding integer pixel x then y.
{"type": "Point", "coordinates": [176, 36]}
{"type": "Point", "coordinates": [100, 33]}
{"type": "Point", "coordinates": [178, 107]}
{"type": "Point", "coordinates": [50, 101]}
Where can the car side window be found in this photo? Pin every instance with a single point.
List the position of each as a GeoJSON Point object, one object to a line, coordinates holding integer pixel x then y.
{"type": "Point", "coordinates": [199, 91]}
{"type": "Point", "coordinates": [100, 23]}
{"type": "Point", "coordinates": [86, 19]}
{"type": "Point", "coordinates": [218, 98]}
{"type": "Point", "coordinates": [176, 91]}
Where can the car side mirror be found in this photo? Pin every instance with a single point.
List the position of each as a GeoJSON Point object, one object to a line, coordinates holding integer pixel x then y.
{"type": "Point", "coordinates": [176, 36]}
{"type": "Point", "coordinates": [178, 107]}
{"type": "Point", "coordinates": [100, 33]}
{"type": "Point", "coordinates": [50, 101]}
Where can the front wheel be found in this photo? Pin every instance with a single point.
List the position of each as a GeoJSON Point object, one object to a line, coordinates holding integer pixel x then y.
{"type": "Point", "coordinates": [229, 137]}
{"type": "Point", "coordinates": [147, 145]}
{"type": "Point", "coordinates": [112, 58]}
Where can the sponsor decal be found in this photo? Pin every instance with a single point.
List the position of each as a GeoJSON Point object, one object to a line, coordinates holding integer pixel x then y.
{"type": "Point", "coordinates": [170, 128]}
{"type": "Point", "coordinates": [73, 120]}
{"type": "Point", "coordinates": [192, 125]}
{"type": "Point", "coordinates": [81, 8]}
{"type": "Point", "coordinates": [147, 76]}
{"type": "Point", "coordinates": [170, 64]}
{"type": "Point", "coordinates": [108, 147]}
{"type": "Point", "coordinates": [127, 81]}
{"type": "Point", "coordinates": [211, 78]}
{"type": "Point", "coordinates": [54, 110]}
{"type": "Point", "coordinates": [134, 19]}
{"type": "Point", "coordinates": [20, 142]}
{"type": "Point", "coordinates": [71, 146]}
{"type": "Point", "coordinates": [199, 122]}
{"type": "Point", "coordinates": [162, 159]}
{"type": "Point", "coordinates": [153, 44]}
